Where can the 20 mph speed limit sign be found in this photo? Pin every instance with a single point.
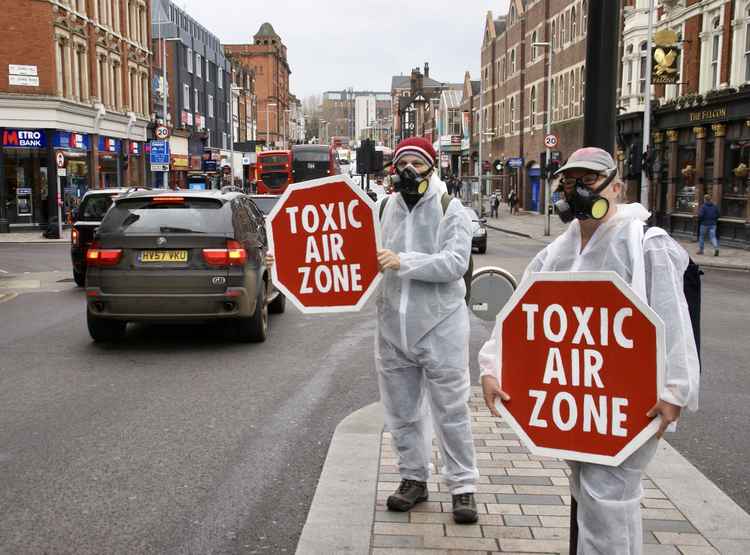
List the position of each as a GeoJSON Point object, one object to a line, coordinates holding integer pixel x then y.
{"type": "Point", "coordinates": [550, 141]}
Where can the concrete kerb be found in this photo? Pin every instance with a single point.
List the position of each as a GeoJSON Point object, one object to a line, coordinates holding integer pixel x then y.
{"type": "Point", "coordinates": [719, 519]}
{"type": "Point", "coordinates": [342, 512]}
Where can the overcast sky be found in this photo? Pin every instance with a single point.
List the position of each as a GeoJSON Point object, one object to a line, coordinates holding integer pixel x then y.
{"type": "Point", "coordinates": [332, 45]}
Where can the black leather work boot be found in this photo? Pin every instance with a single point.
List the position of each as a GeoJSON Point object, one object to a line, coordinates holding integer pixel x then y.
{"type": "Point", "coordinates": [408, 494]}
{"type": "Point", "coordinates": [465, 508]}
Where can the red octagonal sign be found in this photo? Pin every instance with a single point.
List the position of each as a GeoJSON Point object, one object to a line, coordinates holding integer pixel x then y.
{"type": "Point", "coordinates": [583, 361]}
{"type": "Point", "coordinates": [324, 236]}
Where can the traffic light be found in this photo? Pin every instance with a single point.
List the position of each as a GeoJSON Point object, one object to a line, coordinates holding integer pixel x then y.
{"type": "Point", "coordinates": [368, 159]}
{"type": "Point", "coordinates": [497, 165]}
{"type": "Point", "coordinates": [553, 166]}
{"type": "Point", "coordinates": [633, 170]}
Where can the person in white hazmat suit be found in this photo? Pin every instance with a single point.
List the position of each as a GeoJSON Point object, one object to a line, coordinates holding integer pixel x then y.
{"type": "Point", "coordinates": [605, 234]}
{"type": "Point", "coordinates": [422, 339]}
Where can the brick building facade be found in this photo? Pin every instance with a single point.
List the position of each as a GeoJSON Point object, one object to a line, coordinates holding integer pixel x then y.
{"type": "Point", "coordinates": [267, 57]}
{"type": "Point", "coordinates": [77, 83]}
{"type": "Point", "coordinates": [514, 89]}
{"type": "Point", "coordinates": [700, 126]}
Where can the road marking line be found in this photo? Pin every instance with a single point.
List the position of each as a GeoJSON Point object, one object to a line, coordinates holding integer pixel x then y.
{"type": "Point", "coordinates": [3, 271]}
{"type": "Point", "coordinates": [5, 297]}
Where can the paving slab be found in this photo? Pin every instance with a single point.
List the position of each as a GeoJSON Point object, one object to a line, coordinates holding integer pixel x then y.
{"type": "Point", "coordinates": [683, 512]}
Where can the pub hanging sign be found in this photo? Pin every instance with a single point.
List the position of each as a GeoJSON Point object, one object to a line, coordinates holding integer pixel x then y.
{"type": "Point", "coordinates": [665, 58]}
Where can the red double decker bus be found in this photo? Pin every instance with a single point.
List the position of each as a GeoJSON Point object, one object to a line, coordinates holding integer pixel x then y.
{"type": "Point", "coordinates": [274, 171]}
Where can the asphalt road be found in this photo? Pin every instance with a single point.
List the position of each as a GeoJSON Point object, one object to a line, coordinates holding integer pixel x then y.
{"type": "Point", "coordinates": [179, 441]}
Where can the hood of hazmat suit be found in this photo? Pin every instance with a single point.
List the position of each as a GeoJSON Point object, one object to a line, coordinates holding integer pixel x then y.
{"type": "Point", "coordinates": [609, 518]}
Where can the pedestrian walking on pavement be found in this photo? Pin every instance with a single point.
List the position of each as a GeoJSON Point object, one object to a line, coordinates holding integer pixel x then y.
{"type": "Point", "coordinates": [708, 218]}
{"type": "Point", "coordinates": [494, 205]}
{"type": "Point", "coordinates": [422, 339]}
{"type": "Point", "coordinates": [608, 498]}
{"type": "Point", "coordinates": [512, 200]}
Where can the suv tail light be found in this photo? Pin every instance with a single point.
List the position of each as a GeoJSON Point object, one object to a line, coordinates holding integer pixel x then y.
{"type": "Point", "coordinates": [233, 255]}
{"type": "Point", "coordinates": [74, 238]}
{"type": "Point", "coordinates": [97, 256]}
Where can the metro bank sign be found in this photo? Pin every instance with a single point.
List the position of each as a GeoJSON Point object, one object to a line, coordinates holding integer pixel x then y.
{"type": "Point", "coordinates": [24, 138]}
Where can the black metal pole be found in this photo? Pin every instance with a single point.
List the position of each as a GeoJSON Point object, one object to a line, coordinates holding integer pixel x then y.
{"type": "Point", "coordinates": [600, 112]}
{"type": "Point", "coordinates": [573, 544]}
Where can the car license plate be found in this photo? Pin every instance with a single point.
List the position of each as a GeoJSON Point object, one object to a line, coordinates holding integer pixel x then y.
{"type": "Point", "coordinates": [164, 256]}
{"type": "Point", "coordinates": [311, 165]}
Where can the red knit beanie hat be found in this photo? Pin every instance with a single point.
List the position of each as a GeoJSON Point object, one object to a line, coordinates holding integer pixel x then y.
{"type": "Point", "coordinates": [416, 146]}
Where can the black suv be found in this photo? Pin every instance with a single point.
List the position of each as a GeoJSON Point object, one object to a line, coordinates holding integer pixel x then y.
{"type": "Point", "coordinates": [88, 216]}
{"type": "Point", "coordinates": [180, 256]}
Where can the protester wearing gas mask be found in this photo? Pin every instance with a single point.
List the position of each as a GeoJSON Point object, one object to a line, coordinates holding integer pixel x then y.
{"type": "Point", "coordinates": [422, 338]}
{"type": "Point", "coordinates": [605, 234]}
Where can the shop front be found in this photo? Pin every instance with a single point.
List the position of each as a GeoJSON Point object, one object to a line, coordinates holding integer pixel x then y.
{"type": "Point", "coordinates": [24, 176]}
{"type": "Point", "coordinates": [178, 162]}
{"type": "Point", "coordinates": [135, 176]}
{"type": "Point", "coordinates": [109, 162]}
{"type": "Point", "coordinates": [704, 150]}
{"type": "Point", "coordinates": [75, 179]}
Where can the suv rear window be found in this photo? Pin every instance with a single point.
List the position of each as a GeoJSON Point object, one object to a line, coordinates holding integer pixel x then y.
{"type": "Point", "coordinates": [142, 216]}
{"type": "Point", "coordinates": [93, 207]}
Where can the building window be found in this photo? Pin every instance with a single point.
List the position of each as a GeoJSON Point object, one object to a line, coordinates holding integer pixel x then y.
{"type": "Point", "coordinates": [532, 107]}
{"type": "Point", "coordinates": [629, 71]}
{"type": "Point", "coordinates": [572, 93]}
{"type": "Point", "coordinates": [117, 82]}
{"type": "Point", "coordinates": [584, 16]}
{"type": "Point", "coordinates": [573, 22]}
{"type": "Point", "coordinates": [189, 59]}
{"type": "Point", "coordinates": [219, 79]}
{"type": "Point", "coordinates": [210, 106]}
{"type": "Point", "coordinates": [512, 114]}
{"type": "Point", "coordinates": [582, 89]}
{"type": "Point", "coordinates": [513, 61]}
{"type": "Point", "coordinates": [144, 93]}
{"type": "Point", "coordinates": [553, 98]}
{"type": "Point", "coordinates": [198, 65]}
{"type": "Point", "coordinates": [208, 71]}
{"type": "Point", "coordinates": [715, 44]}
{"type": "Point", "coordinates": [532, 47]}
{"type": "Point", "coordinates": [186, 96]}
{"type": "Point", "coordinates": [562, 31]}
{"type": "Point", "coordinates": [642, 70]}
{"type": "Point", "coordinates": [511, 15]}
{"type": "Point", "coordinates": [505, 68]}
{"type": "Point", "coordinates": [553, 34]}
{"type": "Point", "coordinates": [197, 108]}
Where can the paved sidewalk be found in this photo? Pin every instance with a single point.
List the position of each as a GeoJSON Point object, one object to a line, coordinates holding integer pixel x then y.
{"type": "Point", "coordinates": [523, 501]}
{"type": "Point", "coordinates": [531, 225]}
{"type": "Point", "coordinates": [32, 237]}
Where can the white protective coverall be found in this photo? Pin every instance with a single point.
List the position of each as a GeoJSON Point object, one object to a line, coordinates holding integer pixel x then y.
{"type": "Point", "coordinates": [609, 516]}
{"type": "Point", "coordinates": [422, 340]}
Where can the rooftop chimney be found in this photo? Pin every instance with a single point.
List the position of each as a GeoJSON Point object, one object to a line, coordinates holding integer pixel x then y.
{"type": "Point", "coordinates": [426, 70]}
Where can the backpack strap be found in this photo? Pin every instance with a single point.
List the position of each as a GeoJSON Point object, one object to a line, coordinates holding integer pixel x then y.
{"type": "Point", "coordinates": [382, 207]}
{"type": "Point", "coordinates": [445, 202]}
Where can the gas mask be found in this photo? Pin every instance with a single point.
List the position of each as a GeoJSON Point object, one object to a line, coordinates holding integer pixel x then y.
{"type": "Point", "coordinates": [409, 181]}
{"type": "Point", "coordinates": [583, 203]}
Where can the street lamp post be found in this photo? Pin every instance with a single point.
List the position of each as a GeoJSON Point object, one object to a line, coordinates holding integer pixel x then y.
{"type": "Point", "coordinates": [268, 125]}
{"type": "Point", "coordinates": [548, 180]}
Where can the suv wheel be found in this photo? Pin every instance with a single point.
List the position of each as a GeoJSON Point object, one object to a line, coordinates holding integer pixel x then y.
{"type": "Point", "coordinates": [278, 305]}
{"type": "Point", "coordinates": [103, 330]}
{"type": "Point", "coordinates": [255, 328]}
{"type": "Point", "coordinates": [79, 278]}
